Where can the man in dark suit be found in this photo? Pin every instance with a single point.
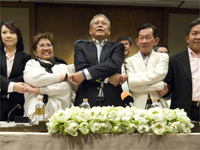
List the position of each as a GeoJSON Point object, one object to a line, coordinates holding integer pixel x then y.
{"type": "Point", "coordinates": [98, 64]}
{"type": "Point", "coordinates": [183, 78]}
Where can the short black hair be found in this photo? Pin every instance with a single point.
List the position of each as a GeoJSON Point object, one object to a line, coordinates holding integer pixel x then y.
{"type": "Point", "coordinates": [148, 25]}
{"type": "Point", "coordinates": [192, 24]}
{"type": "Point", "coordinates": [161, 45]}
{"type": "Point", "coordinates": [124, 37]}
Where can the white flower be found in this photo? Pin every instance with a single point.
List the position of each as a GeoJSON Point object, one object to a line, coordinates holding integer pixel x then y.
{"type": "Point", "coordinates": [143, 128]}
{"type": "Point", "coordinates": [156, 114]}
{"type": "Point", "coordinates": [114, 115]}
{"type": "Point", "coordinates": [84, 128]}
{"type": "Point", "coordinates": [71, 127]}
{"type": "Point", "coordinates": [130, 128]}
{"type": "Point", "coordinates": [105, 127]}
{"type": "Point", "coordinates": [141, 116]}
{"type": "Point", "coordinates": [169, 114]}
{"type": "Point", "coordinates": [52, 125]}
{"type": "Point", "coordinates": [117, 128]}
{"type": "Point", "coordinates": [158, 128]}
{"type": "Point", "coordinates": [181, 114]}
{"type": "Point", "coordinates": [94, 126]}
{"type": "Point", "coordinates": [62, 116]}
{"type": "Point", "coordinates": [74, 120]}
{"type": "Point", "coordinates": [174, 127]}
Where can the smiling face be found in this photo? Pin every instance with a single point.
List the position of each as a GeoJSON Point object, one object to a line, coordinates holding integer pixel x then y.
{"type": "Point", "coordinates": [100, 28]}
{"type": "Point", "coordinates": [127, 48]}
{"type": "Point", "coordinates": [9, 38]}
{"type": "Point", "coordinates": [146, 41]}
{"type": "Point", "coordinates": [44, 49]}
{"type": "Point", "coordinates": [162, 50]}
{"type": "Point", "coordinates": [193, 39]}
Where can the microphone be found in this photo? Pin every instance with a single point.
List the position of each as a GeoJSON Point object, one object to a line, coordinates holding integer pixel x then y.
{"type": "Point", "coordinates": [17, 106]}
{"type": "Point", "coordinates": [127, 98]}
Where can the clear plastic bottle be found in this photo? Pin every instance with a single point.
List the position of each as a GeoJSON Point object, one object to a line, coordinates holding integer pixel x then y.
{"type": "Point", "coordinates": [39, 111]}
{"type": "Point", "coordinates": [85, 104]}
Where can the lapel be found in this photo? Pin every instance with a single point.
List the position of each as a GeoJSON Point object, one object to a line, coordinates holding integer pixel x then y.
{"type": "Point", "coordinates": [185, 64]}
{"type": "Point", "coordinates": [151, 60]}
{"type": "Point", "coordinates": [3, 63]}
{"type": "Point", "coordinates": [105, 50]}
{"type": "Point", "coordinates": [17, 62]}
{"type": "Point", "coordinates": [140, 62]}
{"type": "Point", "coordinates": [92, 49]}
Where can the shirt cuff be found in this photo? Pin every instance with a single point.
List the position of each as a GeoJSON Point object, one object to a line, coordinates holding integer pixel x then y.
{"type": "Point", "coordinates": [10, 87]}
{"type": "Point", "coordinates": [106, 80]}
{"type": "Point", "coordinates": [87, 74]}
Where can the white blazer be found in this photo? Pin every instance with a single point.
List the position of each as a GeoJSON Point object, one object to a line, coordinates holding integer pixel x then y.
{"type": "Point", "coordinates": [146, 79]}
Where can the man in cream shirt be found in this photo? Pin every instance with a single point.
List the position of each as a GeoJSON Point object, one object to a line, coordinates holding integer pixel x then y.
{"type": "Point", "coordinates": [147, 69]}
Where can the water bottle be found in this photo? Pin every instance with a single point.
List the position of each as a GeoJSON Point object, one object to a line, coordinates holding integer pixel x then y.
{"type": "Point", "coordinates": [39, 111]}
{"type": "Point", "coordinates": [85, 104]}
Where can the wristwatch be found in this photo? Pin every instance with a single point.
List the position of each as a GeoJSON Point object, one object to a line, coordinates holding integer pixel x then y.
{"type": "Point", "coordinates": [66, 76]}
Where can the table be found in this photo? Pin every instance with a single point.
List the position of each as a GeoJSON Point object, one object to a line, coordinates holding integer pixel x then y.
{"type": "Point", "coordinates": [136, 141]}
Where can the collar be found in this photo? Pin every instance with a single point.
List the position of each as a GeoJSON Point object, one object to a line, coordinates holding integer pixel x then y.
{"type": "Point", "coordinates": [192, 53]}
{"type": "Point", "coordinates": [145, 57]}
{"type": "Point", "coordinates": [96, 42]}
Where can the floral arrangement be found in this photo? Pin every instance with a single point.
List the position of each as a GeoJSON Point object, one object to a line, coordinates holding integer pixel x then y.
{"type": "Point", "coordinates": [75, 120]}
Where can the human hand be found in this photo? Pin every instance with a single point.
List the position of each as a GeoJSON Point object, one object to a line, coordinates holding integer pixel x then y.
{"type": "Point", "coordinates": [70, 79]}
{"type": "Point", "coordinates": [164, 91]}
{"type": "Point", "coordinates": [124, 78]}
{"type": "Point", "coordinates": [31, 89]}
{"type": "Point", "coordinates": [78, 77]}
{"type": "Point", "coordinates": [115, 79]}
{"type": "Point", "coordinates": [19, 87]}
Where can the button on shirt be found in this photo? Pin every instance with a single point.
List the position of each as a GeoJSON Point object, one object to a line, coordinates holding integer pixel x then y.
{"type": "Point", "coordinates": [195, 71]}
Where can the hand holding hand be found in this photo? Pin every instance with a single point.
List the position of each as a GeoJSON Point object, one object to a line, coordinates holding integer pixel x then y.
{"type": "Point", "coordinates": [70, 79]}
{"type": "Point", "coordinates": [124, 78]}
{"type": "Point", "coordinates": [78, 77]}
{"type": "Point", "coordinates": [31, 89]}
{"type": "Point", "coordinates": [19, 87]}
{"type": "Point", "coordinates": [164, 91]}
{"type": "Point", "coordinates": [115, 79]}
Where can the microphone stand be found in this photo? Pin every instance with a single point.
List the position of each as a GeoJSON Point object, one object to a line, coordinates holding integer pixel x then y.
{"type": "Point", "coordinates": [8, 118]}
{"type": "Point", "coordinates": [100, 97]}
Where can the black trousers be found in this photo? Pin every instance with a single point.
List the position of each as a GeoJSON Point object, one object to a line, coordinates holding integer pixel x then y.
{"type": "Point", "coordinates": [195, 111]}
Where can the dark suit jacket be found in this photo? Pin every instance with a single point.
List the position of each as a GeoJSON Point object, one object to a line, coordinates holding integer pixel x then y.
{"type": "Point", "coordinates": [180, 82]}
{"type": "Point", "coordinates": [16, 76]}
{"type": "Point", "coordinates": [111, 59]}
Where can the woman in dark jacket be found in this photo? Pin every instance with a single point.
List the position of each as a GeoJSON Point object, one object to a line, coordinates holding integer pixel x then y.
{"type": "Point", "coordinates": [13, 61]}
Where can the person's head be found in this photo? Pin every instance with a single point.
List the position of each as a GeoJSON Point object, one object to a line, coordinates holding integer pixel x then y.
{"type": "Point", "coordinates": [43, 45]}
{"type": "Point", "coordinates": [161, 48]}
{"type": "Point", "coordinates": [11, 36]}
{"type": "Point", "coordinates": [146, 38]}
{"type": "Point", "coordinates": [193, 35]}
{"type": "Point", "coordinates": [100, 27]}
{"type": "Point", "coordinates": [127, 43]}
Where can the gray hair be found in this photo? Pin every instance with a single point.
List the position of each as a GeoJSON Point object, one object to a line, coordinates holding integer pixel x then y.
{"type": "Point", "coordinates": [102, 15]}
